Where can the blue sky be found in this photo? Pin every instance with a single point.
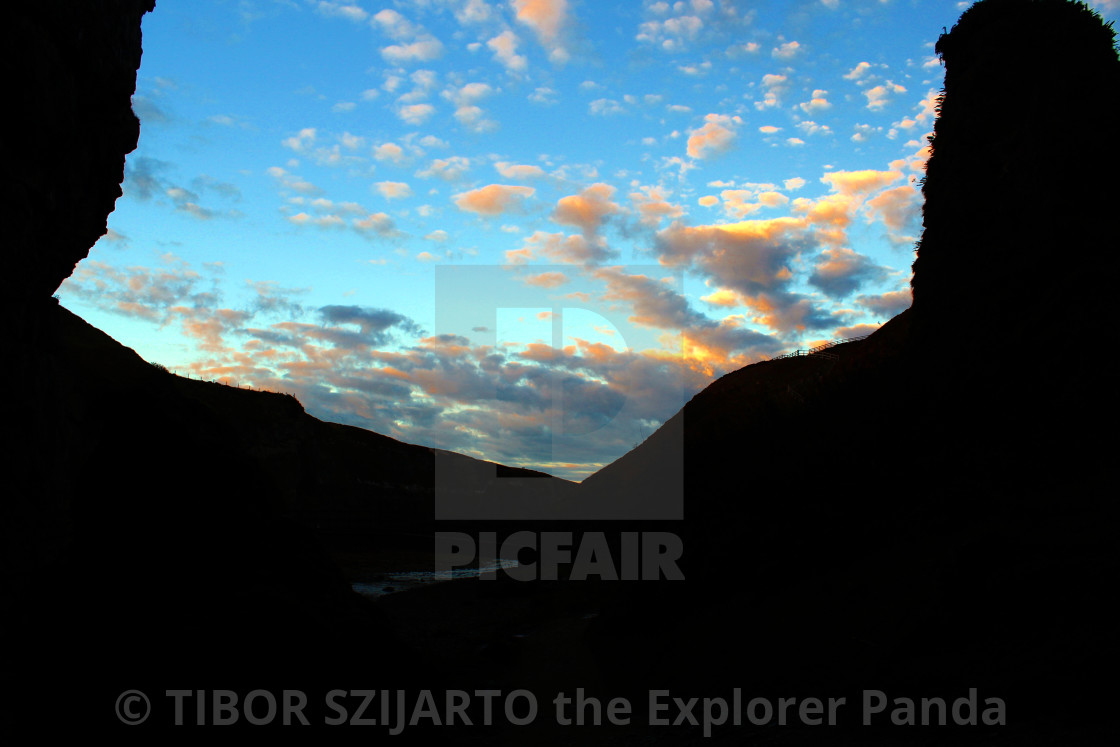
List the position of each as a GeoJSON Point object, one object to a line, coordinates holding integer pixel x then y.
{"type": "Point", "coordinates": [653, 194]}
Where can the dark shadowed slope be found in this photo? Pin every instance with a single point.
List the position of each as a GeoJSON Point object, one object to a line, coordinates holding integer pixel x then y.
{"type": "Point", "coordinates": [153, 529]}
{"type": "Point", "coordinates": [929, 507]}
{"type": "Point", "coordinates": [929, 512]}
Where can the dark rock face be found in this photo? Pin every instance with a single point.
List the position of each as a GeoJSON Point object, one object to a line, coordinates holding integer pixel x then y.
{"type": "Point", "coordinates": [73, 66]}
{"type": "Point", "coordinates": [926, 510]}
{"type": "Point", "coordinates": [143, 532]}
{"type": "Point", "coordinates": [1014, 209]}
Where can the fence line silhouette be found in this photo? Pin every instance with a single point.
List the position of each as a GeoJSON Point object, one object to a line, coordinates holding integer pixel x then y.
{"type": "Point", "coordinates": [819, 350]}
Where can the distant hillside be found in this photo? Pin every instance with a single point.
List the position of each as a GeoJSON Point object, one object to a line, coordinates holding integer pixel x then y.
{"type": "Point", "coordinates": [326, 475]}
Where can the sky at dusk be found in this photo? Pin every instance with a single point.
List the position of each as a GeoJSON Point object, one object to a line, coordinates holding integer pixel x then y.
{"type": "Point", "coordinates": [523, 230]}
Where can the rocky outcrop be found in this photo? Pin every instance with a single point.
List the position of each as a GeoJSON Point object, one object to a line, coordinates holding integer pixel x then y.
{"type": "Point", "coordinates": [926, 509]}
{"type": "Point", "coordinates": [1017, 226]}
{"type": "Point", "coordinates": [71, 74]}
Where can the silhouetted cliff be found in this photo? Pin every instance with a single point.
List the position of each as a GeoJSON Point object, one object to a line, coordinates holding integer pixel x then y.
{"type": "Point", "coordinates": [925, 509]}
{"type": "Point", "coordinates": [157, 529]}
{"type": "Point", "coordinates": [71, 73]}
{"type": "Point", "coordinates": [1016, 234]}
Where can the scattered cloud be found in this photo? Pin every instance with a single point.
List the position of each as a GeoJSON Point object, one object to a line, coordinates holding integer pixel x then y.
{"type": "Point", "coordinates": [493, 199]}
{"type": "Point", "coordinates": [714, 137]}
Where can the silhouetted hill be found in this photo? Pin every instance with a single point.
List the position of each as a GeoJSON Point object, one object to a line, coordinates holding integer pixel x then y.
{"type": "Point", "coordinates": [154, 528]}
{"type": "Point", "coordinates": [929, 510]}
{"type": "Point", "coordinates": [928, 507]}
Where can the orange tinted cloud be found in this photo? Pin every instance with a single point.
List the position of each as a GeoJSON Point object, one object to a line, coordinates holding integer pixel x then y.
{"type": "Point", "coordinates": [548, 19]}
{"type": "Point", "coordinates": [898, 208]}
{"type": "Point", "coordinates": [714, 137]}
{"type": "Point", "coordinates": [547, 279]}
{"type": "Point", "coordinates": [653, 206]}
{"type": "Point", "coordinates": [518, 170]}
{"type": "Point", "coordinates": [588, 209]}
{"type": "Point", "coordinates": [722, 297]}
{"type": "Point", "coordinates": [575, 249]}
{"type": "Point", "coordinates": [493, 199]}
{"type": "Point", "coordinates": [860, 182]}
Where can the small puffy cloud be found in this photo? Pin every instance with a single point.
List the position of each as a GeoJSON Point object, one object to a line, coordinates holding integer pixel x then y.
{"type": "Point", "coordinates": [416, 44]}
{"type": "Point", "coordinates": [879, 96]}
{"type": "Point", "coordinates": [378, 224]}
{"type": "Point", "coordinates": [576, 249]}
{"type": "Point", "coordinates": [723, 297]}
{"type": "Point", "coordinates": [794, 184]}
{"type": "Point", "coordinates": [700, 69]}
{"type": "Point", "coordinates": [431, 141]}
{"type": "Point", "coordinates": [818, 102]}
{"type": "Point", "coordinates": [321, 221]}
{"type": "Point", "coordinates": [504, 47]}
{"type": "Point", "coordinates": [772, 199]}
{"type": "Point", "coordinates": [863, 132]}
{"type": "Point", "coordinates": [415, 114]}
{"type": "Point", "coordinates": [714, 137]}
{"type": "Point", "coordinates": [474, 118]}
{"type": "Point", "coordinates": [549, 20]}
{"type": "Point", "coordinates": [774, 87]}
{"type": "Point", "coordinates": [351, 142]}
{"type": "Point", "coordinates": [295, 183]}
{"type": "Point", "coordinates": [467, 111]}
{"type": "Point", "coordinates": [437, 235]}
{"type": "Point", "coordinates": [449, 169]}
{"type": "Point", "coordinates": [857, 72]}
{"type": "Point", "coordinates": [395, 25]}
{"type": "Point", "coordinates": [794, 141]}
{"type": "Point", "coordinates": [708, 201]}
{"type": "Point", "coordinates": [546, 279]}
{"type": "Point", "coordinates": [474, 11]}
{"type": "Point", "coordinates": [809, 127]}
{"type": "Point", "coordinates": [394, 190]}
{"type": "Point", "coordinates": [389, 152]}
{"type": "Point", "coordinates": [543, 95]}
{"type": "Point", "coordinates": [786, 51]}
{"type": "Point", "coordinates": [860, 183]}
{"type": "Point", "coordinates": [769, 129]}
{"type": "Point", "coordinates": [605, 107]}
{"type": "Point", "coordinates": [653, 207]}
{"type": "Point", "coordinates": [187, 201]}
{"type": "Point", "coordinates": [671, 34]}
{"type": "Point", "coordinates": [348, 11]}
{"type": "Point", "coordinates": [493, 199]}
{"type": "Point", "coordinates": [519, 170]}
{"type": "Point", "coordinates": [302, 141]}
{"type": "Point", "coordinates": [587, 210]}
{"type": "Point", "coordinates": [422, 50]}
